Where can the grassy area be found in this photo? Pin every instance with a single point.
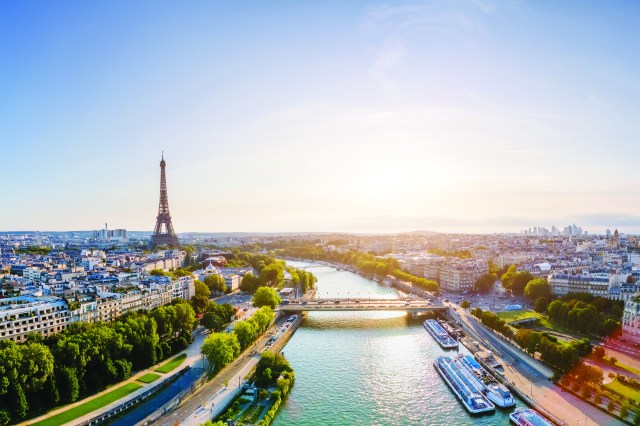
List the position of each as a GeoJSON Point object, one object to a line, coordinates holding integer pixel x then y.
{"type": "Point", "coordinates": [89, 406]}
{"type": "Point", "coordinates": [148, 378]}
{"type": "Point", "coordinates": [170, 365]}
{"type": "Point", "coordinates": [510, 316]}
{"type": "Point", "coordinates": [622, 389]}
{"type": "Point", "coordinates": [619, 364]}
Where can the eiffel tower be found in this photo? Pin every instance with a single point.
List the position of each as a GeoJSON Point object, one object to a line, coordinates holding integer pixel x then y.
{"type": "Point", "coordinates": [168, 237]}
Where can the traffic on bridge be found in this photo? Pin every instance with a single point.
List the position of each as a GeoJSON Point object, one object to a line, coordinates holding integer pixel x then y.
{"type": "Point", "coordinates": [351, 304]}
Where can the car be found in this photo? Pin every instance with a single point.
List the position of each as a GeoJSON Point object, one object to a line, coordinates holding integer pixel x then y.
{"type": "Point", "coordinates": [321, 301]}
{"type": "Point", "coordinates": [304, 303]}
{"type": "Point", "coordinates": [337, 302]}
{"type": "Point", "coordinates": [445, 300]}
{"type": "Point", "coordinates": [356, 301]}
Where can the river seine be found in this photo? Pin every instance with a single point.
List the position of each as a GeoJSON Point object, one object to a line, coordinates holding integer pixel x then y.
{"type": "Point", "coordinates": [367, 368]}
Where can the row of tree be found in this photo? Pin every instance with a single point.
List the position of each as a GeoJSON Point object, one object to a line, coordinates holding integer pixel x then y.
{"type": "Point", "coordinates": [365, 262]}
{"type": "Point", "coordinates": [86, 357]}
{"type": "Point", "coordinates": [492, 321]}
{"type": "Point", "coordinates": [216, 316]}
{"type": "Point", "coordinates": [222, 348]}
{"type": "Point", "coordinates": [419, 282]}
{"type": "Point", "coordinates": [514, 280]}
{"type": "Point", "coordinates": [270, 271]}
{"type": "Point", "coordinates": [601, 317]}
{"type": "Point", "coordinates": [303, 279]}
{"type": "Point", "coordinates": [561, 356]}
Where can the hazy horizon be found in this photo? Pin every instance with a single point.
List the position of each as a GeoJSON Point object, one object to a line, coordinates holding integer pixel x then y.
{"type": "Point", "coordinates": [473, 116]}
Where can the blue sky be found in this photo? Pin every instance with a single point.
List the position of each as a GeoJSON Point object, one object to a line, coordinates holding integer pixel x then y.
{"type": "Point", "coordinates": [467, 116]}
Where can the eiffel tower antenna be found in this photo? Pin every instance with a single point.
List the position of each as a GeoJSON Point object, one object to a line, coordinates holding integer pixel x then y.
{"type": "Point", "coordinates": [163, 234]}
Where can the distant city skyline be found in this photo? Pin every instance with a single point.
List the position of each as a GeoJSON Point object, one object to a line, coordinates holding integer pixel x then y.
{"type": "Point", "coordinates": [467, 116]}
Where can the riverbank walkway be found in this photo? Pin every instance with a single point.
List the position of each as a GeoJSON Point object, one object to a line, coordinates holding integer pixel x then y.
{"type": "Point", "coordinates": [529, 377]}
{"type": "Point", "coordinates": [214, 397]}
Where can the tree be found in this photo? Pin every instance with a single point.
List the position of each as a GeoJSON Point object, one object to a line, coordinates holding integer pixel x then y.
{"type": "Point", "coordinates": [249, 283]}
{"type": "Point", "coordinates": [211, 321]}
{"type": "Point", "coordinates": [536, 288]}
{"type": "Point", "coordinates": [520, 281]}
{"type": "Point", "coordinates": [485, 282]}
{"type": "Point", "coordinates": [262, 318]}
{"type": "Point", "coordinates": [201, 289]}
{"type": "Point", "coordinates": [610, 406]}
{"type": "Point", "coordinates": [68, 386]}
{"type": "Point", "coordinates": [246, 333]}
{"type": "Point", "coordinates": [465, 305]}
{"type": "Point", "coordinates": [508, 277]}
{"type": "Point", "coordinates": [541, 304]}
{"type": "Point", "coordinates": [599, 352]}
{"type": "Point", "coordinates": [272, 274]}
{"type": "Point", "coordinates": [216, 283]}
{"type": "Point", "coordinates": [199, 303]}
{"type": "Point", "coordinates": [624, 412]}
{"type": "Point", "coordinates": [611, 328]}
{"type": "Point", "coordinates": [555, 308]}
{"type": "Point", "coordinates": [266, 296]}
{"type": "Point", "coordinates": [220, 349]}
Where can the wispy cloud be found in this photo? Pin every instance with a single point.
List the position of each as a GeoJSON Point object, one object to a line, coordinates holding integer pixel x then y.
{"type": "Point", "coordinates": [387, 59]}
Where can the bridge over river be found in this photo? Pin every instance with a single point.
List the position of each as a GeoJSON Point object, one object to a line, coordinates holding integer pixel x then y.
{"type": "Point", "coordinates": [363, 305]}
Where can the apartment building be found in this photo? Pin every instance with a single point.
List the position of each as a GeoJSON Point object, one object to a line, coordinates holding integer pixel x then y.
{"type": "Point", "coordinates": [595, 284]}
{"type": "Point", "coordinates": [631, 320]}
{"type": "Point", "coordinates": [22, 315]}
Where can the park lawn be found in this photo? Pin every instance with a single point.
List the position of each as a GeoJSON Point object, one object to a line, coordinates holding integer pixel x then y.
{"type": "Point", "coordinates": [622, 389]}
{"type": "Point", "coordinates": [148, 378]}
{"type": "Point", "coordinates": [89, 406]}
{"type": "Point", "coordinates": [629, 368]}
{"type": "Point", "coordinates": [510, 316]}
{"type": "Point", "coordinates": [170, 365]}
{"type": "Point", "coordinates": [619, 364]}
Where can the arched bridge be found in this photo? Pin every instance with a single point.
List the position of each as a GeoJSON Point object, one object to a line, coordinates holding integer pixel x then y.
{"type": "Point", "coordinates": [363, 305]}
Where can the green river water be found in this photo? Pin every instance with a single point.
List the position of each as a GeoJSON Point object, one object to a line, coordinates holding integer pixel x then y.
{"type": "Point", "coordinates": [367, 368]}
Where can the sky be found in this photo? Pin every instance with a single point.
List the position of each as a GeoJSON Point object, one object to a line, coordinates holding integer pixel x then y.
{"type": "Point", "coordinates": [348, 116]}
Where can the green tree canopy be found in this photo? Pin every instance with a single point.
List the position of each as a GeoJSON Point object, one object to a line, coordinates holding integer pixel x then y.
{"type": "Point", "coordinates": [246, 333]}
{"type": "Point", "coordinates": [220, 349]}
{"type": "Point", "coordinates": [249, 283]}
{"type": "Point", "coordinates": [272, 274]}
{"type": "Point", "coordinates": [485, 283]}
{"type": "Point", "coordinates": [202, 289]}
{"type": "Point", "coordinates": [266, 296]}
{"type": "Point", "coordinates": [541, 304]}
{"type": "Point", "coordinates": [537, 287]}
{"type": "Point", "coordinates": [216, 283]}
